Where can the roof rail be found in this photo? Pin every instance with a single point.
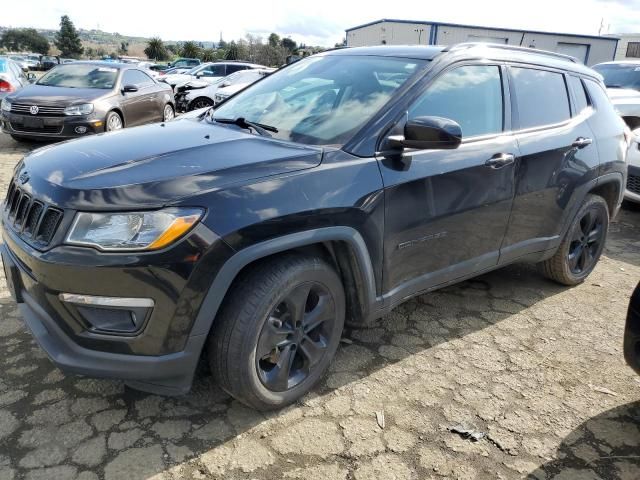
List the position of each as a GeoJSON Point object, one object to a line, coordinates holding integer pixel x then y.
{"type": "Point", "coordinates": [560, 56]}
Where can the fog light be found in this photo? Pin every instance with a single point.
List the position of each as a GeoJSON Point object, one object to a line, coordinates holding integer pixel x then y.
{"type": "Point", "coordinates": [110, 314]}
{"type": "Point", "coordinates": [81, 129]}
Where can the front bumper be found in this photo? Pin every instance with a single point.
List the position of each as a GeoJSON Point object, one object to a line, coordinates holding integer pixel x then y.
{"type": "Point", "coordinates": [50, 127]}
{"type": "Point", "coordinates": [632, 332]}
{"type": "Point", "coordinates": [161, 357]}
{"type": "Point", "coordinates": [632, 192]}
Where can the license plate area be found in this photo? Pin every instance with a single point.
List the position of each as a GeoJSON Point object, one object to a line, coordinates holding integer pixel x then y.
{"type": "Point", "coordinates": [33, 122]}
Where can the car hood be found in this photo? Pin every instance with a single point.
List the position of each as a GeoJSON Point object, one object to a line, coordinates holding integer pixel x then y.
{"type": "Point", "coordinates": [58, 96]}
{"type": "Point", "coordinates": [156, 165]}
{"type": "Point", "coordinates": [175, 78]}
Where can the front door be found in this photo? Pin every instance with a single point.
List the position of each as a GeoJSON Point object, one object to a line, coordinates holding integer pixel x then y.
{"type": "Point", "coordinates": [447, 210]}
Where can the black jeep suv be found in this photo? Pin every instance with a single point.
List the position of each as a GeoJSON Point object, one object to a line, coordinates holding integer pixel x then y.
{"type": "Point", "coordinates": [328, 192]}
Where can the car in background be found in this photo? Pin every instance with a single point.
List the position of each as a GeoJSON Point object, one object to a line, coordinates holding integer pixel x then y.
{"type": "Point", "coordinates": [246, 78]}
{"type": "Point", "coordinates": [208, 72]}
{"type": "Point", "coordinates": [47, 62]}
{"type": "Point", "coordinates": [67, 60]}
{"type": "Point", "coordinates": [197, 98]}
{"type": "Point", "coordinates": [622, 80]}
{"type": "Point", "coordinates": [82, 98]}
{"type": "Point", "coordinates": [184, 63]}
{"type": "Point", "coordinates": [12, 77]}
{"type": "Point", "coordinates": [34, 61]}
{"type": "Point", "coordinates": [632, 332]}
{"type": "Point", "coordinates": [21, 60]}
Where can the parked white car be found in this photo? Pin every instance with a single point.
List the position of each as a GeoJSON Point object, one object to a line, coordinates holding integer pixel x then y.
{"type": "Point", "coordinates": [205, 97]}
{"type": "Point", "coordinates": [208, 72]}
{"type": "Point", "coordinates": [623, 86]}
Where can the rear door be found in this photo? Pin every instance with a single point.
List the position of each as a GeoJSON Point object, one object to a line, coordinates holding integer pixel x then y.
{"type": "Point", "coordinates": [558, 157]}
{"type": "Point", "coordinates": [447, 210]}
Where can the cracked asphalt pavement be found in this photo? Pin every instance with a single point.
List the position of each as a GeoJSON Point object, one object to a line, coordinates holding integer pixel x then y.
{"type": "Point", "coordinates": [535, 366]}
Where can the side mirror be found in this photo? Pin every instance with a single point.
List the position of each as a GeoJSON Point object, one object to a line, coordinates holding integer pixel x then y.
{"type": "Point", "coordinates": [31, 77]}
{"type": "Point", "coordinates": [225, 84]}
{"type": "Point", "coordinates": [429, 133]}
{"type": "Point", "coordinates": [129, 89]}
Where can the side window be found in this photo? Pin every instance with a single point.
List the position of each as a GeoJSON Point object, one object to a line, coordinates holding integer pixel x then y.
{"type": "Point", "coordinates": [235, 68]}
{"type": "Point", "coordinates": [217, 70]}
{"type": "Point", "coordinates": [582, 101]}
{"type": "Point", "coordinates": [136, 77]}
{"type": "Point", "coordinates": [541, 97]}
{"type": "Point", "coordinates": [470, 95]}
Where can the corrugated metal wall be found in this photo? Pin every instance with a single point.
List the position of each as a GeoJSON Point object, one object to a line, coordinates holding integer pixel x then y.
{"type": "Point", "coordinates": [595, 50]}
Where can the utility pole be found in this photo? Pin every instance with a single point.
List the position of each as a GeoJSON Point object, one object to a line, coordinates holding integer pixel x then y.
{"type": "Point", "coordinates": [419, 32]}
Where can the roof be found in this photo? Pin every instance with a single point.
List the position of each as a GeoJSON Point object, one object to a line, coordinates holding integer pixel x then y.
{"type": "Point", "coordinates": [531, 56]}
{"type": "Point", "coordinates": [420, 22]}
{"type": "Point", "coordinates": [406, 51]}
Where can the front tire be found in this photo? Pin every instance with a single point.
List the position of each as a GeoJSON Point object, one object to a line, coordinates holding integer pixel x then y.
{"type": "Point", "coordinates": [582, 245]}
{"type": "Point", "coordinates": [168, 113]}
{"type": "Point", "coordinates": [277, 331]}
{"type": "Point", "coordinates": [200, 102]}
{"type": "Point", "coordinates": [113, 122]}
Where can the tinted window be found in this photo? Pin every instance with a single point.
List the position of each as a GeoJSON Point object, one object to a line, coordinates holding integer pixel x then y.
{"type": "Point", "coordinates": [579, 94]}
{"type": "Point", "coordinates": [472, 96]}
{"type": "Point", "coordinates": [541, 96]}
{"type": "Point", "coordinates": [600, 98]}
{"type": "Point", "coordinates": [214, 70]}
{"type": "Point", "coordinates": [235, 68]}
{"type": "Point", "coordinates": [136, 77]}
{"type": "Point", "coordinates": [78, 75]}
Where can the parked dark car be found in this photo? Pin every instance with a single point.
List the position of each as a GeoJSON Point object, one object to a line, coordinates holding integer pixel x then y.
{"type": "Point", "coordinates": [632, 332]}
{"type": "Point", "coordinates": [47, 62]}
{"type": "Point", "coordinates": [12, 77]}
{"type": "Point", "coordinates": [329, 192]}
{"type": "Point", "coordinates": [183, 63]}
{"type": "Point", "coordinates": [83, 98]}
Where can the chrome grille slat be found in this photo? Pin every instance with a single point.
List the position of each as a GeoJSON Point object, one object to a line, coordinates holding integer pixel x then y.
{"type": "Point", "coordinates": [42, 109]}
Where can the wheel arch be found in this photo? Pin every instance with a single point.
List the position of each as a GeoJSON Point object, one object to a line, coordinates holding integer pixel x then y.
{"type": "Point", "coordinates": [344, 247]}
{"type": "Point", "coordinates": [611, 188]}
{"type": "Point", "coordinates": [120, 112]}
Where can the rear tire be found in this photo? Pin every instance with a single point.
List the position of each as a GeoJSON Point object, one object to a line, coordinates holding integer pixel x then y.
{"type": "Point", "coordinates": [277, 330]}
{"type": "Point", "coordinates": [582, 245]}
{"type": "Point", "coordinates": [200, 102]}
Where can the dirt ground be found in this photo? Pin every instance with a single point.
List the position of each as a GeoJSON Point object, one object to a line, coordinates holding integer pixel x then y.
{"type": "Point", "coordinates": [536, 367]}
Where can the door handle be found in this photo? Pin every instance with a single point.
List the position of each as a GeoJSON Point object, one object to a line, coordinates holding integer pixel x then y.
{"type": "Point", "coordinates": [500, 160]}
{"type": "Point", "coordinates": [582, 142]}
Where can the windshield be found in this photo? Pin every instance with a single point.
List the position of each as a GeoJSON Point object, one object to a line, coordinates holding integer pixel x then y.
{"type": "Point", "coordinates": [78, 75]}
{"type": "Point", "coordinates": [620, 75]}
{"type": "Point", "coordinates": [321, 100]}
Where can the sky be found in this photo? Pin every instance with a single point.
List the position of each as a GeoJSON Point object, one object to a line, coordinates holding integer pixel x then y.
{"type": "Point", "coordinates": [320, 22]}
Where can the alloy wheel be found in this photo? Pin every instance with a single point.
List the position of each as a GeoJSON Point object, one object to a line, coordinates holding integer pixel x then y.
{"type": "Point", "coordinates": [295, 337]}
{"type": "Point", "coordinates": [168, 114]}
{"type": "Point", "coordinates": [586, 241]}
{"type": "Point", "coordinates": [114, 123]}
{"type": "Point", "coordinates": [200, 103]}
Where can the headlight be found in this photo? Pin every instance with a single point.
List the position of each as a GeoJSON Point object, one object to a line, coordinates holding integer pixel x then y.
{"type": "Point", "coordinates": [84, 109]}
{"type": "Point", "coordinates": [132, 230]}
{"type": "Point", "coordinates": [6, 105]}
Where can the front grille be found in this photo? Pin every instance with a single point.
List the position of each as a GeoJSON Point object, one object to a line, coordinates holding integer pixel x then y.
{"type": "Point", "coordinates": [44, 129]}
{"type": "Point", "coordinates": [42, 110]}
{"type": "Point", "coordinates": [633, 184]}
{"type": "Point", "coordinates": [31, 218]}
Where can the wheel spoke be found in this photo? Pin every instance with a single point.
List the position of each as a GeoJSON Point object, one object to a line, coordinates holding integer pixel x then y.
{"type": "Point", "coordinates": [574, 256]}
{"type": "Point", "coordinates": [595, 234]}
{"type": "Point", "coordinates": [272, 336]}
{"type": "Point", "coordinates": [312, 349]}
{"type": "Point", "coordinates": [323, 311]}
{"type": "Point", "coordinates": [582, 260]}
{"type": "Point", "coordinates": [297, 302]}
{"type": "Point", "coordinates": [278, 377]}
{"type": "Point", "coordinates": [586, 224]}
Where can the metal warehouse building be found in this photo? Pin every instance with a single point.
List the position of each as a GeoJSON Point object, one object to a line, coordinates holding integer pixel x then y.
{"type": "Point", "coordinates": [587, 48]}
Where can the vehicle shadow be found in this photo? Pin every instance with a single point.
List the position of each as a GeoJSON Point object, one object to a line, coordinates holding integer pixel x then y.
{"type": "Point", "coordinates": [606, 446]}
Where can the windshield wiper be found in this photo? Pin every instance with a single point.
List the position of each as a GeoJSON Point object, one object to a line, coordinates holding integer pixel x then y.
{"type": "Point", "coordinates": [242, 122]}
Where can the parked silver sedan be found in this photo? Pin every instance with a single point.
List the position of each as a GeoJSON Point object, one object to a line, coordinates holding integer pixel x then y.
{"type": "Point", "coordinates": [12, 77]}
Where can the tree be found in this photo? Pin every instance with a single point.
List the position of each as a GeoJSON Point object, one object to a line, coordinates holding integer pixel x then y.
{"type": "Point", "coordinates": [209, 55]}
{"type": "Point", "coordinates": [22, 39]}
{"type": "Point", "coordinates": [156, 50]}
{"type": "Point", "coordinates": [173, 49]}
{"type": "Point", "coordinates": [190, 50]}
{"type": "Point", "coordinates": [67, 39]}
{"type": "Point", "coordinates": [232, 51]}
{"type": "Point", "coordinates": [274, 40]}
{"type": "Point", "coordinates": [124, 48]}
{"type": "Point", "coordinates": [89, 52]}
{"type": "Point", "coordinates": [289, 44]}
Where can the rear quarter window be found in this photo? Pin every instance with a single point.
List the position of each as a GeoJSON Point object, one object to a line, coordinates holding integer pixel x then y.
{"type": "Point", "coordinates": [541, 97]}
{"type": "Point", "coordinates": [580, 96]}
